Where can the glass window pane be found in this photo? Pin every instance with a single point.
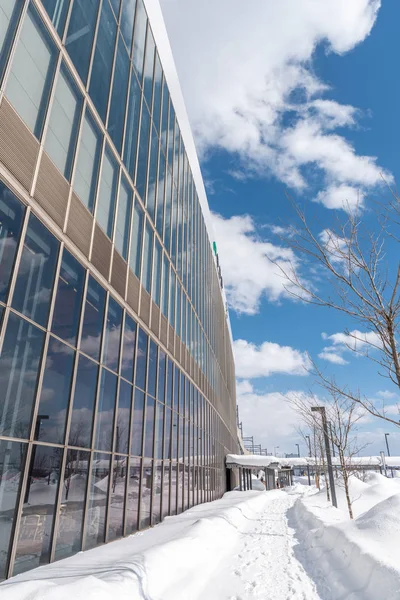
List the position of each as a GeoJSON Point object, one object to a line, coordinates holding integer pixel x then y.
{"type": "Point", "coordinates": [160, 195]}
{"type": "Point", "coordinates": [132, 505]}
{"type": "Point", "coordinates": [170, 375]}
{"type": "Point", "coordinates": [116, 6]}
{"type": "Point", "coordinates": [118, 97]}
{"type": "Point", "coordinates": [57, 11]}
{"type": "Point", "coordinates": [127, 19]}
{"type": "Point", "coordinates": [128, 348]}
{"type": "Point", "coordinates": [147, 257]}
{"type": "Point", "coordinates": [136, 241]}
{"type": "Point", "coordinates": [10, 11]}
{"type": "Point", "coordinates": [156, 291]}
{"type": "Point", "coordinates": [33, 547]}
{"type": "Point", "coordinates": [149, 428]}
{"type": "Point", "coordinates": [103, 60]}
{"type": "Point", "coordinates": [167, 210]}
{"type": "Point", "coordinates": [35, 278]}
{"type": "Point", "coordinates": [80, 433]}
{"type": "Point", "coordinates": [80, 34]}
{"type": "Point", "coordinates": [19, 366]}
{"type": "Point", "coordinates": [141, 360]}
{"type": "Point", "coordinates": [145, 500]}
{"type": "Point", "coordinates": [11, 217]}
{"type": "Point", "coordinates": [87, 162]}
{"type": "Point", "coordinates": [67, 308]}
{"type": "Point", "coordinates": [107, 193]}
{"type": "Point", "coordinates": [157, 491]}
{"type": "Point", "coordinates": [137, 426]}
{"type": "Point", "coordinates": [11, 468]}
{"type": "Point", "coordinates": [69, 534]}
{"type": "Point", "coordinates": [93, 319]}
{"type": "Point", "coordinates": [172, 299]}
{"type": "Point", "coordinates": [141, 173]}
{"type": "Point", "coordinates": [112, 336]}
{"type": "Point", "coordinates": [123, 223]}
{"type": "Point", "coordinates": [117, 499]}
{"type": "Point", "coordinates": [152, 374]}
{"type": "Point", "coordinates": [139, 38]}
{"type": "Point", "coordinates": [167, 433]}
{"type": "Point", "coordinates": [164, 117]}
{"type": "Point", "coordinates": [157, 93]}
{"type": "Point", "coordinates": [152, 179]}
{"type": "Point", "coordinates": [54, 396]}
{"type": "Point", "coordinates": [132, 125]}
{"type": "Point", "coordinates": [149, 68]}
{"type": "Point", "coordinates": [32, 70]}
{"type": "Point", "coordinates": [159, 429]}
{"type": "Point", "coordinates": [165, 286]}
{"type": "Point", "coordinates": [63, 124]}
{"type": "Point", "coordinates": [105, 411]}
{"type": "Point", "coordinates": [123, 417]}
{"type": "Point", "coordinates": [161, 375]}
{"type": "Point", "coordinates": [97, 502]}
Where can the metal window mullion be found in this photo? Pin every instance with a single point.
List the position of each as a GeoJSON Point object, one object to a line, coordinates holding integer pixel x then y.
{"type": "Point", "coordinates": [112, 77]}
{"type": "Point", "coordinates": [131, 415]}
{"type": "Point", "coordinates": [54, 532]}
{"type": "Point", "coordinates": [116, 208]}
{"type": "Point", "coordinates": [97, 192]}
{"type": "Point", "coordinates": [13, 47]}
{"type": "Point", "coordinates": [127, 100]}
{"type": "Point", "coordinates": [94, 43]}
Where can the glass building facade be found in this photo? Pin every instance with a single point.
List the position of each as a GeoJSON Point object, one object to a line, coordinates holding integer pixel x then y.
{"type": "Point", "coordinates": [117, 384]}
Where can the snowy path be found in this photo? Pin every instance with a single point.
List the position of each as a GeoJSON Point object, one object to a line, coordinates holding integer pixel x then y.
{"type": "Point", "coordinates": [262, 566]}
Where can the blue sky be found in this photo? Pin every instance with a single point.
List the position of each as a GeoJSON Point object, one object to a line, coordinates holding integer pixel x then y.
{"type": "Point", "coordinates": [300, 98]}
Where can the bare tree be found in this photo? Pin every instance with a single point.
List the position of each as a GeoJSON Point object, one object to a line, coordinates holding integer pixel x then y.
{"type": "Point", "coordinates": [362, 281]}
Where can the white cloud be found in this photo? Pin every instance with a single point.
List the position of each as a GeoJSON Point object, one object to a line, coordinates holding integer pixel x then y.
{"type": "Point", "coordinates": [267, 359]}
{"type": "Point", "coordinates": [255, 69]}
{"type": "Point", "coordinates": [332, 357]}
{"type": "Point", "coordinates": [343, 196]}
{"type": "Point", "coordinates": [353, 341]}
{"type": "Point", "coordinates": [386, 394]}
{"type": "Point", "coordinates": [246, 264]}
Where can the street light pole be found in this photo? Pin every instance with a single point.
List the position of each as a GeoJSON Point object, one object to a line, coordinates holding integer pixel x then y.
{"type": "Point", "coordinates": [298, 450]}
{"type": "Point", "coordinates": [388, 451]}
{"type": "Point", "coordinates": [321, 410]}
{"type": "Point", "coordinates": [309, 455]}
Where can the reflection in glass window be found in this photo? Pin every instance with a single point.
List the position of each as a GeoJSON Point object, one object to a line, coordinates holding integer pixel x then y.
{"type": "Point", "coordinates": [63, 124]}
{"type": "Point", "coordinates": [112, 335]}
{"type": "Point", "coordinates": [107, 193]}
{"type": "Point", "coordinates": [116, 4]}
{"type": "Point", "coordinates": [141, 360]}
{"type": "Point", "coordinates": [69, 535]}
{"type": "Point", "coordinates": [57, 11]}
{"type": "Point", "coordinates": [152, 179]}
{"type": "Point", "coordinates": [87, 162]}
{"type": "Point", "coordinates": [97, 500]}
{"type": "Point", "coordinates": [167, 433]}
{"type": "Point", "coordinates": [127, 19]}
{"type": "Point", "coordinates": [166, 488]}
{"type": "Point", "coordinates": [147, 257]}
{"type": "Point", "coordinates": [116, 116]}
{"type": "Point", "coordinates": [93, 319]}
{"type": "Point", "coordinates": [117, 498]}
{"type": "Point", "coordinates": [164, 117]}
{"type": "Point", "coordinates": [80, 34]}
{"type": "Point", "coordinates": [11, 216]}
{"type": "Point", "coordinates": [176, 388]}
{"type": "Point", "coordinates": [128, 348]}
{"type": "Point", "coordinates": [103, 60]}
{"type": "Point", "coordinates": [136, 240]}
{"type": "Point", "coordinates": [80, 433]}
{"type": "Point", "coordinates": [149, 427]}
{"type": "Point", "coordinates": [19, 366]}
{"type": "Point", "coordinates": [156, 291]}
{"type": "Point", "coordinates": [159, 430]}
{"type": "Point", "coordinates": [178, 309]}
{"type": "Point", "coordinates": [132, 505]}
{"type": "Point", "coordinates": [152, 373]}
{"type": "Point", "coordinates": [159, 219]}
{"type": "Point", "coordinates": [139, 38]}
{"type": "Point", "coordinates": [157, 93]}
{"type": "Point", "coordinates": [32, 70]}
{"type": "Point", "coordinates": [167, 210]}
{"type": "Point", "coordinates": [161, 375]}
{"type": "Point", "coordinates": [123, 222]}
{"type": "Point", "coordinates": [148, 68]}
{"type": "Point", "coordinates": [165, 286]}
{"type": "Point", "coordinates": [132, 125]}
{"type": "Point", "coordinates": [146, 489]}
{"type": "Point", "coordinates": [141, 172]}
{"type": "Point", "coordinates": [33, 546]}
{"type": "Point", "coordinates": [157, 492]}
{"type": "Point", "coordinates": [36, 271]}
{"type": "Point", "coordinates": [137, 425]}
{"type": "Point", "coordinates": [11, 468]}
{"type": "Point", "coordinates": [67, 308]}
{"type": "Point", "coordinates": [54, 395]}
{"type": "Point", "coordinates": [170, 373]}
{"type": "Point", "coordinates": [171, 316]}
{"type": "Point", "coordinates": [123, 417]}
{"type": "Point", "coordinates": [105, 411]}
{"type": "Point", "coordinates": [9, 15]}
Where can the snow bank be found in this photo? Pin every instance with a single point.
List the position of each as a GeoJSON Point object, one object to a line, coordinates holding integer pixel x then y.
{"type": "Point", "coordinates": [356, 559]}
{"type": "Point", "coordinates": [163, 563]}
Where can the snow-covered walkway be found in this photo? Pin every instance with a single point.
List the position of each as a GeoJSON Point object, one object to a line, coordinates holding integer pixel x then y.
{"type": "Point", "coordinates": [262, 564]}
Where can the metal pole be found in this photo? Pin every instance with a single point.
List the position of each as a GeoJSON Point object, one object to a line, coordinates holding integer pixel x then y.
{"type": "Point", "coordinates": [388, 451]}
{"type": "Point", "coordinates": [333, 445]}
{"type": "Point", "coordinates": [309, 455]}
{"type": "Point", "coordinates": [240, 479]}
{"type": "Point", "coordinates": [321, 409]}
{"type": "Point", "coordinates": [298, 450]}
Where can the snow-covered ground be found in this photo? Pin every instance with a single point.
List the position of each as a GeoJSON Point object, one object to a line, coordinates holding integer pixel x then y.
{"type": "Point", "coordinates": [277, 545]}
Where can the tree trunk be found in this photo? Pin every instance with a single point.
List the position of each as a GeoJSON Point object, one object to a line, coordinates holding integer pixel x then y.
{"type": "Point", "coordinates": [346, 483]}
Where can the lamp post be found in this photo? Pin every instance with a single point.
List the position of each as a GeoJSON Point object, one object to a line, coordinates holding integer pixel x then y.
{"type": "Point", "coordinates": [298, 450]}
{"type": "Point", "coordinates": [387, 447]}
{"type": "Point", "coordinates": [309, 455]}
{"type": "Point", "coordinates": [321, 410]}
